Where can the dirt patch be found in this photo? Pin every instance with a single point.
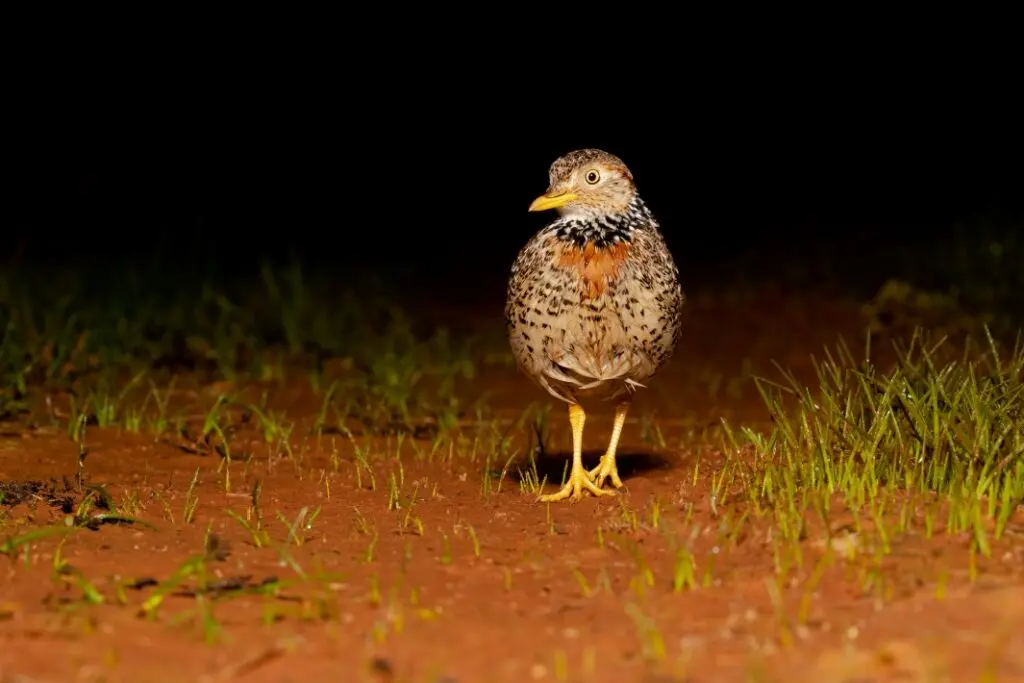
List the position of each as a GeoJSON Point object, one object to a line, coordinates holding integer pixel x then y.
{"type": "Point", "coordinates": [361, 556]}
{"type": "Point", "coordinates": [59, 495]}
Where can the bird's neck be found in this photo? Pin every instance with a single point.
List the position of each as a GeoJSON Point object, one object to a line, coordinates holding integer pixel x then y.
{"type": "Point", "coordinates": [604, 229]}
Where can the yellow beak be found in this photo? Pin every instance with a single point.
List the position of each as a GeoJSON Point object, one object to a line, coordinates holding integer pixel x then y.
{"type": "Point", "coordinates": [551, 201]}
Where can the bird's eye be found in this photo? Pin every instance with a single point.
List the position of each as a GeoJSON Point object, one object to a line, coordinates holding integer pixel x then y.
{"type": "Point", "coordinates": [593, 176]}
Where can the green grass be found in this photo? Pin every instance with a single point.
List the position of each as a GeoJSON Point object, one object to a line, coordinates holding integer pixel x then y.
{"type": "Point", "coordinates": [850, 467]}
{"type": "Point", "coordinates": [933, 425]}
{"type": "Point", "coordinates": [120, 343]}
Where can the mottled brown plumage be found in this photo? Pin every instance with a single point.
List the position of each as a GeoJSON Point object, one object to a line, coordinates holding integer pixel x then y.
{"type": "Point", "coordinates": [594, 301]}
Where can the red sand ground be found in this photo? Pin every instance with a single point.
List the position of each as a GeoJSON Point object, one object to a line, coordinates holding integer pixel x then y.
{"type": "Point", "coordinates": [551, 593]}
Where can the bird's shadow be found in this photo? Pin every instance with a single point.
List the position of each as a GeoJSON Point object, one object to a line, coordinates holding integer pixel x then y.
{"type": "Point", "coordinates": [556, 465]}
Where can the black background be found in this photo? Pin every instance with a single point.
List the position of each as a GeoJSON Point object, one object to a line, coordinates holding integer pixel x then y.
{"type": "Point", "coordinates": [429, 171]}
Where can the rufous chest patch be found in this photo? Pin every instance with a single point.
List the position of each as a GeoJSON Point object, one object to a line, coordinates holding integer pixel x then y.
{"type": "Point", "coordinates": [596, 267]}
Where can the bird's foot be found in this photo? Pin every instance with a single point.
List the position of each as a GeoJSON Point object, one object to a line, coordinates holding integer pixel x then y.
{"type": "Point", "coordinates": [605, 469]}
{"type": "Point", "coordinates": [579, 481]}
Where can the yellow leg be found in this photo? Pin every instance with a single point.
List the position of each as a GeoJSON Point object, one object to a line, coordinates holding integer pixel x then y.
{"type": "Point", "coordinates": [606, 468]}
{"type": "Point", "coordinates": [579, 480]}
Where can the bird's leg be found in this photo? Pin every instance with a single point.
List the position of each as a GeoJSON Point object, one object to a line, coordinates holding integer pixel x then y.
{"type": "Point", "coordinates": [578, 477]}
{"type": "Point", "coordinates": [606, 468]}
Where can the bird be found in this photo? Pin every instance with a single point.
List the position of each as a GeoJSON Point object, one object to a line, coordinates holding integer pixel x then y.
{"type": "Point", "coordinates": [594, 301]}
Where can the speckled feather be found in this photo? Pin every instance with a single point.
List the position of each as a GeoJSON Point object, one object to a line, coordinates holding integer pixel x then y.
{"type": "Point", "coordinates": [594, 302]}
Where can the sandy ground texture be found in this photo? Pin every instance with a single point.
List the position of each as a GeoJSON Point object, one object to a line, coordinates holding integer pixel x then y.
{"type": "Point", "coordinates": [426, 558]}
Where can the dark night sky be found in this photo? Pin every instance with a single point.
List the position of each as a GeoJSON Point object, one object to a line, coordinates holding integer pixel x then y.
{"type": "Point", "coordinates": [428, 174]}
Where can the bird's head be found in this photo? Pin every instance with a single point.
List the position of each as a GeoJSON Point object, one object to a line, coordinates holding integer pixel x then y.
{"type": "Point", "coordinates": [587, 183]}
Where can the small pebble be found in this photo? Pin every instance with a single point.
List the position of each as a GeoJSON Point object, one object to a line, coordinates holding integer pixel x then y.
{"type": "Point", "coordinates": [382, 669]}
